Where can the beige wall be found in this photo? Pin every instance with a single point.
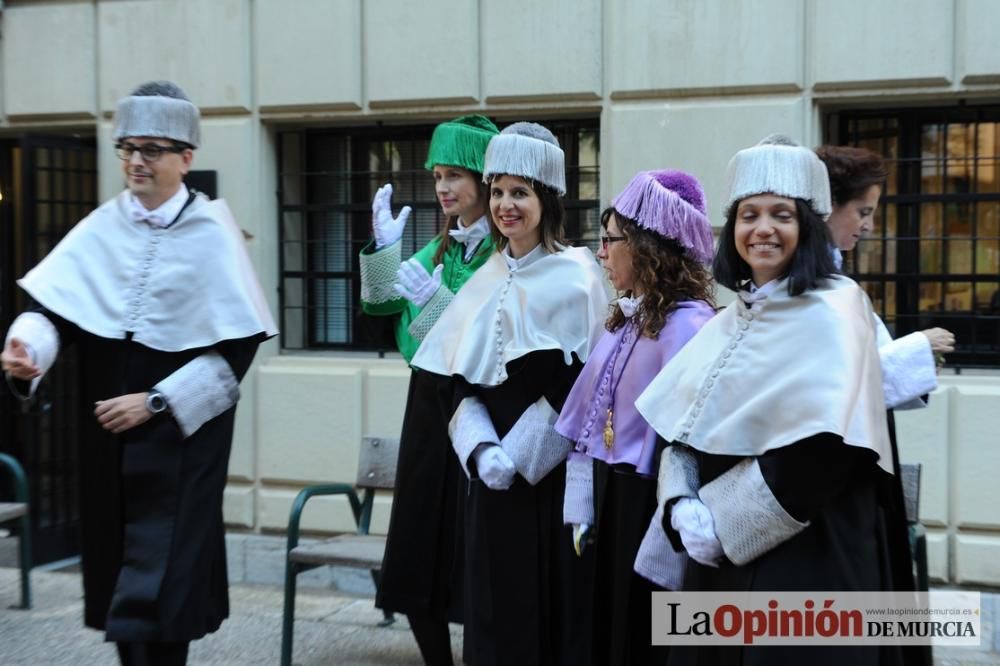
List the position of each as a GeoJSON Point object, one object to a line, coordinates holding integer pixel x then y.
{"type": "Point", "coordinates": [682, 83]}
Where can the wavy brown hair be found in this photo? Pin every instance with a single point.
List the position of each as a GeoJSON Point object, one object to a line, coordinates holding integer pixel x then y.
{"type": "Point", "coordinates": [664, 273]}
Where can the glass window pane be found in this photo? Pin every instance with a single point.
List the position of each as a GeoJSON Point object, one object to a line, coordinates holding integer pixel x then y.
{"type": "Point", "coordinates": [988, 153]}
{"type": "Point", "coordinates": [988, 242]}
{"type": "Point", "coordinates": [960, 164]}
{"type": "Point", "coordinates": [958, 297]}
{"type": "Point", "coordinates": [959, 256]}
{"type": "Point", "coordinates": [932, 153]}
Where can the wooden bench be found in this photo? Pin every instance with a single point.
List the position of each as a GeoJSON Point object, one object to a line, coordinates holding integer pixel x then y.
{"type": "Point", "coordinates": [376, 471]}
{"type": "Point", "coordinates": [18, 510]}
{"type": "Point", "coordinates": [910, 478]}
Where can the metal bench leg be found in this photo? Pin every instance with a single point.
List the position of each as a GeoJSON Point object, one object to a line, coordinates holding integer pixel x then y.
{"type": "Point", "coordinates": [25, 543]}
{"type": "Point", "coordinates": [920, 555]}
{"type": "Point", "coordinates": [288, 617]}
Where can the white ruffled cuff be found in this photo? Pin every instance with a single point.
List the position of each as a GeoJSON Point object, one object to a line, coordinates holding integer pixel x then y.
{"type": "Point", "coordinates": [578, 498]}
{"type": "Point", "coordinates": [469, 427]}
{"type": "Point", "coordinates": [533, 443]}
{"type": "Point", "coordinates": [749, 520]}
{"type": "Point", "coordinates": [41, 338]}
{"type": "Point", "coordinates": [908, 370]}
{"type": "Point", "coordinates": [199, 391]}
{"type": "Point", "coordinates": [378, 273]}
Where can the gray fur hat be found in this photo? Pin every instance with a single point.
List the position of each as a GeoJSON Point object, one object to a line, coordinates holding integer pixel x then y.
{"type": "Point", "coordinates": [158, 109]}
{"type": "Point", "coordinates": [527, 150]}
{"type": "Point", "coordinates": [780, 166]}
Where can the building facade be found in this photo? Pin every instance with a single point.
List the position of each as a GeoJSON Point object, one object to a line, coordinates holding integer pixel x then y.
{"type": "Point", "coordinates": [309, 105]}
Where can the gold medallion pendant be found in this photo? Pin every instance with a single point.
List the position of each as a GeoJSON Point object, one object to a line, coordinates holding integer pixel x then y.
{"type": "Point", "coordinates": [609, 432]}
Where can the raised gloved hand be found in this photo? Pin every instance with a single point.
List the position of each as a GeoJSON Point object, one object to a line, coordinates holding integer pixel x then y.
{"type": "Point", "coordinates": [387, 229]}
{"type": "Point", "coordinates": [580, 534]}
{"type": "Point", "coordinates": [693, 521]}
{"type": "Point", "coordinates": [494, 466]}
{"type": "Point", "coordinates": [415, 284]}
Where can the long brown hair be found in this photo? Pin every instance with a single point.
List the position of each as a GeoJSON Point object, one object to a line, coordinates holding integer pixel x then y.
{"type": "Point", "coordinates": [551, 224]}
{"type": "Point", "coordinates": [664, 273]}
{"type": "Point", "coordinates": [451, 222]}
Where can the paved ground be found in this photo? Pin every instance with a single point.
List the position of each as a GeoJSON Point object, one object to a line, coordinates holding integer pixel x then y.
{"type": "Point", "coordinates": [331, 629]}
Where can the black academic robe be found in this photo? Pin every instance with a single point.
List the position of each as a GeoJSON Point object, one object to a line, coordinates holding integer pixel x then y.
{"type": "Point", "coordinates": [527, 595]}
{"type": "Point", "coordinates": [422, 565]}
{"type": "Point", "coordinates": [152, 534]}
{"type": "Point", "coordinates": [849, 545]}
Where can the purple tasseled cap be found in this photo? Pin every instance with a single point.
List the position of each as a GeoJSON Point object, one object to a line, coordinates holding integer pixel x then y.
{"type": "Point", "coordinates": [672, 204]}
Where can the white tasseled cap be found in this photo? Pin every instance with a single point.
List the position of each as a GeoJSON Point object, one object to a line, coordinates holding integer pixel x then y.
{"type": "Point", "coordinates": [530, 151]}
{"type": "Point", "coordinates": [158, 109]}
{"type": "Point", "coordinates": [780, 166]}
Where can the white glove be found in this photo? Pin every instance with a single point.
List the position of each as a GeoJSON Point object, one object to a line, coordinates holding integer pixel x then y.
{"type": "Point", "coordinates": [495, 467]}
{"type": "Point", "coordinates": [415, 284]}
{"type": "Point", "coordinates": [387, 229]}
{"type": "Point", "coordinates": [692, 519]}
{"type": "Point", "coordinates": [580, 533]}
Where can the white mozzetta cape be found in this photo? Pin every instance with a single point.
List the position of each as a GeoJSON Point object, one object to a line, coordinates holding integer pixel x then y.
{"type": "Point", "coordinates": [186, 286]}
{"type": "Point", "coordinates": [553, 300]}
{"type": "Point", "coordinates": [750, 382]}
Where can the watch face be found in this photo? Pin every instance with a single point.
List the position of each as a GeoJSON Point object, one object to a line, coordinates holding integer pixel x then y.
{"type": "Point", "coordinates": [155, 403]}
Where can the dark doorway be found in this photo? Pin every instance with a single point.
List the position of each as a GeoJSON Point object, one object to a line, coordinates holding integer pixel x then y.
{"type": "Point", "coordinates": [47, 184]}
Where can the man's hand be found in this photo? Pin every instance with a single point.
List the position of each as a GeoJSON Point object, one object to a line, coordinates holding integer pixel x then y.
{"type": "Point", "coordinates": [122, 413]}
{"type": "Point", "coordinates": [16, 360]}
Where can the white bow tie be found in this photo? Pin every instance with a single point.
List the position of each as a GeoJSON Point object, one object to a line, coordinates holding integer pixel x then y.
{"type": "Point", "coordinates": [142, 215]}
{"type": "Point", "coordinates": [753, 297]}
{"type": "Point", "coordinates": [629, 305]}
{"type": "Point", "coordinates": [471, 234]}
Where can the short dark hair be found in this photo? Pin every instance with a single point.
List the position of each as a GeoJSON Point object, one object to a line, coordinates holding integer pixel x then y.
{"type": "Point", "coordinates": [811, 262]}
{"type": "Point", "coordinates": [553, 216]}
{"type": "Point", "coordinates": [852, 171]}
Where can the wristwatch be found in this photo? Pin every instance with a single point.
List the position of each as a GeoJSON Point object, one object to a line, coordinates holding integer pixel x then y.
{"type": "Point", "coordinates": [155, 402]}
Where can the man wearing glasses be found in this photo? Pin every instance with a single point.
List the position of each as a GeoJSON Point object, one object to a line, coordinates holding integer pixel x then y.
{"type": "Point", "coordinates": [157, 292]}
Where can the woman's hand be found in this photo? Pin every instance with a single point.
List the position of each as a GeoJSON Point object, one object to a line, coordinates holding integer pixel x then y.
{"type": "Point", "coordinates": [387, 229]}
{"type": "Point", "coordinates": [942, 340]}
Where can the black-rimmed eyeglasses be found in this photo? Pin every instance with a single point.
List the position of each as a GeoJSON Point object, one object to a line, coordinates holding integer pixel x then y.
{"type": "Point", "coordinates": [607, 240]}
{"type": "Point", "coordinates": [150, 152]}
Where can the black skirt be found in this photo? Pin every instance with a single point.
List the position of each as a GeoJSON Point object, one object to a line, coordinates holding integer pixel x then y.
{"type": "Point", "coordinates": [528, 595]}
{"type": "Point", "coordinates": [422, 566]}
{"type": "Point", "coordinates": [624, 505]}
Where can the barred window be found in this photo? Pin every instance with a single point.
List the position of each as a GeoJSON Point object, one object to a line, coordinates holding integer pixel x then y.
{"type": "Point", "coordinates": [327, 178]}
{"type": "Point", "coordinates": [933, 258]}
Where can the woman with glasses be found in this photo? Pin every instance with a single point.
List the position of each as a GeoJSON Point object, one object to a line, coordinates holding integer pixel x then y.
{"type": "Point", "coordinates": [513, 341]}
{"type": "Point", "coordinates": [656, 243]}
{"type": "Point", "coordinates": [773, 414]}
{"type": "Point", "coordinates": [421, 573]}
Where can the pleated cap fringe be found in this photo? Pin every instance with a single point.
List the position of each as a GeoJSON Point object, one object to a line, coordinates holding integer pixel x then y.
{"type": "Point", "coordinates": [670, 203]}
{"type": "Point", "coordinates": [530, 151]}
{"type": "Point", "coordinates": [158, 109]}
{"type": "Point", "coordinates": [779, 166]}
{"type": "Point", "coordinates": [461, 142]}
